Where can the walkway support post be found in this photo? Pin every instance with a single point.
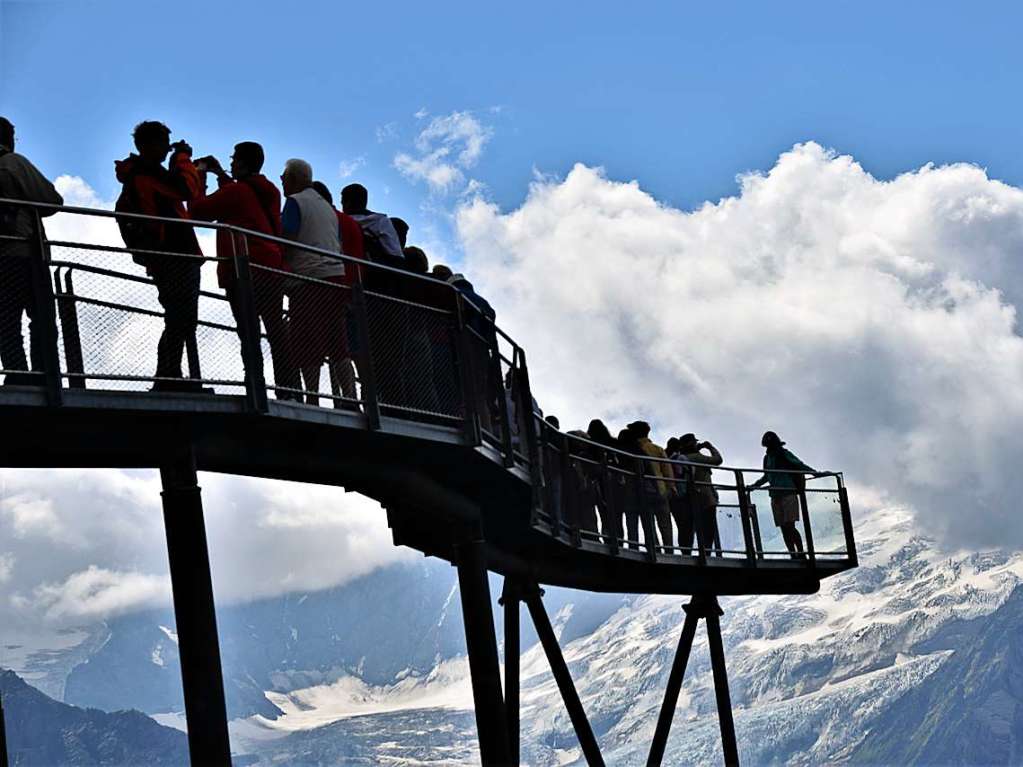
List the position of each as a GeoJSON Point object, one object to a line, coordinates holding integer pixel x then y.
{"type": "Point", "coordinates": [724, 700]}
{"type": "Point", "coordinates": [703, 606]}
{"type": "Point", "coordinates": [481, 643]}
{"type": "Point", "coordinates": [533, 597]}
{"type": "Point", "coordinates": [510, 600]}
{"type": "Point", "coordinates": [194, 613]}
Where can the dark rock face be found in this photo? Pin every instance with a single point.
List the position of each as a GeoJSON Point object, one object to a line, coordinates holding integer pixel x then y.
{"type": "Point", "coordinates": [42, 732]}
{"type": "Point", "coordinates": [970, 711]}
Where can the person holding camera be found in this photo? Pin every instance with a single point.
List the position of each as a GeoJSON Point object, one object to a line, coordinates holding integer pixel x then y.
{"type": "Point", "coordinates": [702, 496]}
{"type": "Point", "coordinates": [247, 199]}
{"type": "Point", "coordinates": [169, 252]}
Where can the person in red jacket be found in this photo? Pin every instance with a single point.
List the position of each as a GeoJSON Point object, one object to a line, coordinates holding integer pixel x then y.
{"type": "Point", "coordinates": [150, 188]}
{"type": "Point", "coordinates": [246, 198]}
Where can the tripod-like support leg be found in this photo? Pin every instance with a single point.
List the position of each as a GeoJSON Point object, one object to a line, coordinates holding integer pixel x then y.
{"type": "Point", "coordinates": [533, 597]}
{"type": "Point", "coordinates": [705, 607]}
{"type": "Point", "coordinates": [484, 664]}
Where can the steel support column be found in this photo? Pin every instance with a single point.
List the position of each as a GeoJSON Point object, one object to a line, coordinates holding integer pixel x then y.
{"type": "Point", "coordinates": [510, 600]}
{"type": "Point", "coordinates": [724, 700]}
{"type": "Point", "coordinates": [3, 738]}
{"type": "Point", "coordinates": [706, 607]}
{"type": "Point", "coordinates": [675, 677]}
{"type": "Point", "coordinates": [194, 613]}
{"type": "Point", "coordinates": [481, 644]}
{"type": "Point", "coordinates": [533, 597]}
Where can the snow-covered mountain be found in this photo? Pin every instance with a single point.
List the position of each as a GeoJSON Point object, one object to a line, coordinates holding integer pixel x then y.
{"type": "Point", "coordinates": [375, 669]}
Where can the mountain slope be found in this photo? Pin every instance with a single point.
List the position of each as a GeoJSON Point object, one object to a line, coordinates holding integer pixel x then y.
{"type": "Point", "coordinates": [42, 732]}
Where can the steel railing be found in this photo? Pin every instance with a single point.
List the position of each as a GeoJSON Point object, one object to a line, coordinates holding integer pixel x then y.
{"type": "Point", "coordinates": [393, 345]}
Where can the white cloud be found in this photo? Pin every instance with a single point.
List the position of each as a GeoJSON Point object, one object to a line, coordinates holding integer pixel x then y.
{"type": "Point", "coordinates": [387, 132]}
{"type": "Point", "coordinates": [97, 593]}
{"type": "Point", "coordinates": [873, 324]}
{"type": "Point", "coordinates": [346, 168]}
{"type": "Point", "coordinates": [447, 147]}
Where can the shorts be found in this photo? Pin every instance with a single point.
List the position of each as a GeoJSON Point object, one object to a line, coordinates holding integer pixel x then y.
{"type": "Point", "coordinates": [785, 508]}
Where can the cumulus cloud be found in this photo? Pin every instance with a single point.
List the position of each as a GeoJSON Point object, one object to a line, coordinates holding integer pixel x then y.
{"type": "Point", "coordinates": [347, 168]}
{"type": "Point", "coordinates": [100, 593]}
{"type": "Point", "coordinates": [448, 146]}
{"type": "Point", "coordinates": [872, 323]}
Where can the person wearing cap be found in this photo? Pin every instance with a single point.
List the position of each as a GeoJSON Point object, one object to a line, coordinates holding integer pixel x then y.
{"type": "Point", "coordinates": [703, 498]}
{"type": "Point", "coordinates": [480, 316]}
{"type": "Point", "coordinates": [659, 485]}
{"type": "Point", "coordinates": [784, 473]}
{"type": "Point", "coordinates": [21, 180]}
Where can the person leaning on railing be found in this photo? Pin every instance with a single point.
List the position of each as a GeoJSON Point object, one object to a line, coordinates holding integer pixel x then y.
{"type": "Point", "coordinates": [151, 189]}
{"type": "Point", "coordinates": [247, 199]}
{"type": "Point", "coordinates": [782, 473]}
{"type": "Point", "coordinates": [20, 180]}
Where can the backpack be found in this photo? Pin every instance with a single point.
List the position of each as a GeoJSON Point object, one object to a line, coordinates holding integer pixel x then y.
{"type": "Point", "coordinates": [137, 235]}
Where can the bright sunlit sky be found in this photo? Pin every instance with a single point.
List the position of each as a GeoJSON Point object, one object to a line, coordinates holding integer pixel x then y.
{"type": "Point", "coordinates": [681, 96]}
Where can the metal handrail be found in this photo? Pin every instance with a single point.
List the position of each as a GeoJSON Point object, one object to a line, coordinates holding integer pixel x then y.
{"type": "Point", "coordinates": [485, 411]}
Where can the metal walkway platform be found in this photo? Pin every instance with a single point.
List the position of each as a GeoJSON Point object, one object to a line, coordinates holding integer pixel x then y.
{"type": "Point", "coordinates": [429, 411]}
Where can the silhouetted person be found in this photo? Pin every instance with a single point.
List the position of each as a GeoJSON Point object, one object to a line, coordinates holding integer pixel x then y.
{"type": "Point", "coordinates": [680, 503]}
{"type": "Point", "coordinates": [150, 188]}
{"type": "Point", "coordinates": [630, 506]}
{"type": "Point", "coordinates": [550, 455]}
{"type": "Point", "coordinates": [442, 272]}
{"type": "Point", "coordinates": [785, 488]}
{"type": "Point", "coordinates": [20, 180]}
{"type": "Point", "coordinates": [380, 240]}
{"type": "Point", "coordinates": [342, 371]}
{"type": "Point", "coordinates": [658, 486]}
{"type": "Point", "coordinates": [479, 317]}
{"type": "Point", "coordinates": [316, 316]}
{"type": "Point", "coordinates": [606, 507]}
{"type": "Point", "coordinates": [703, 497]}
{"type": "Point", "coordinates": [247, 199]}
{"type": "Point", "coordinates": [401, 228]}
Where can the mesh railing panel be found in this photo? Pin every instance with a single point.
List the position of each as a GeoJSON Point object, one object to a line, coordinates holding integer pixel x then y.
{"type": "Point", "coordinates": [132, 325]}
{"type": "Point", "coordinates": [414, 362]}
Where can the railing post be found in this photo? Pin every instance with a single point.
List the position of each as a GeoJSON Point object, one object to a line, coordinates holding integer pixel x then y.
{"type": "Point", "coordinates": [847, 526]}
{"type": "Point", "coordinates": [45, 321]}
{"type": "Point", "coordinates": [807, 532]}
{"type": "Point", "coordinates": [569, 496]}
{"type": "Point", "coordinates": [248, 326]}
{"type": "Point", "coordinates": [507, 443]}
{"type": "Point", "coordinates": [532, 451]}
{"type": "Point", "coordinates": [611, 513]}
{"type": "Point", "coordinates": [367, 377]}
{"type": "Point", "coordinates": [747, 531]}
{"type": "Point", "coordinates": [67, 310]}
{"type": "Point", "coordinates": [467, 379]}
{"type": "Point", "coordinates": [758, 543]}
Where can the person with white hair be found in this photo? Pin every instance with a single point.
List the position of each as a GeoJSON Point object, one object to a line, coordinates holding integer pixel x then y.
{"type": "Point", "coordinates": [316, 319]}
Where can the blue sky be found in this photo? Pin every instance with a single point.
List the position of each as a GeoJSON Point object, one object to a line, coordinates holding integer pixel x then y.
{"type": "Point", "coordinates": [681, 96]}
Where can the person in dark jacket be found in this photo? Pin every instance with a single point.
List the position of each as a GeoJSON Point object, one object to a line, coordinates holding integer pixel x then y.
{"type": "Point", "coordinates": [150, 188]}
{"type": "Point", "coordinates": [680, 503]}
{"type": "Point", "coordinates": [785, 474]}
{"type": "Point", "coordinates": [599, 433]}
{"type": "Point", "coordinates": [21, 180]}
{"type": "Point", "coordinates": [479, 317]}
{"type": "Point", "coordinates": [246, 198]}
{"type": "Point", "coordinates": [702, 496]}
{"type": "Point", "coordinates": [631, 488]}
